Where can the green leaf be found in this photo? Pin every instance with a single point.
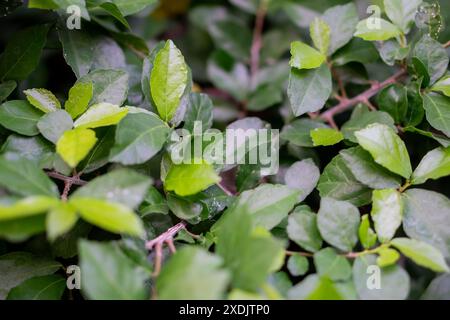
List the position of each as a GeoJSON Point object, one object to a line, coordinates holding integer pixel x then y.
{"type": "Point", "coordinates": [367, 237]}
{"type": "Point", "coordinates": [366, 171]}
{"type": "Point", "coordinates": [74, 145]}
{"type": "Point", "coordinates": [168, 80]}
{"type": "Point", "coordinates": [6, 88]}
{"type": "Point", "coordinates": [110, 86]}
{"type": "Point", "coordinates": [361, 118]}
{"type": "Point", "coordinates": [338, 223]}
{"type": "Point", "coordinates": [138, 138]}
{"type": "Point", "coordinates": [305, 57]}
{"type": "Point", "coordinates": [342, 21]}
{"type": "Point", "coordinates": [314, 287]}
{"type": "Point", "coordinates": [26, 207]}
{"type": "Point", "coordinates": [391, 51]}
{"type": "Point", "coordinates": [443, 140]}
{"type": "Point", "coordinates": [231, 36]}
{"type": "Point", "coordinates": [308, 90]}
{"type": "Point", "coordinates": [200, 109]}
{"type": "Point", "coordinates": [114, 11]}
{"type": "Point", "coordinates": [302, 175]}
{"type": "Point", "coordinates": [387, 213]}
{"type": "Point", "coordinates": [229, 75]}
{"type": "Point", "coordinates": [53, 125]}
{"type": "Point", "coordinates": [36, 149]}
{"type": "Point", "coordinates": [23, 177]}
{"type": "Point", "coordinates": [188, 179]}
{"type": "Point", "coordinates": [415, 110]}
{"type": "Point", "coordinates": [326, 136]}
{"type": "Point", "coordinates": [42, 99]}
{"type": "Point", "coordinates": [357, 50]}
{"type": "Point", "coordinates": [426, 213]}
{"type": "Point", "coordinates": [19, 230]}
{"type": "Point", "coordinates": [402, 12]}
{"type": "Point", "coordinates": [16, 267]}
{"type": "Point", "coordinates": [421, 253]}
{"type": "Point", "coordinates": [298, 131]}
{"type": "Point", "coordinates": [99, 156]}
{"type": "Point", "coordinates": [387, 257]}
{"type": "Point", "coordinates": [434, 165]}
{"type": "Point", "coordinates": [442, 85]}
{"type": "Point", "coordinates": [338, 182]}
{"type": "Point", "coordinates": [29, 43]}
{"type": "Point", "coordinates": [154, 202]}
{"type": "Point", "coordinates": [319, 31]}
{"type": "Point", "coordinates": [49, 287]}
{"type": "Point", "coordinates": [131, 7]}
{"type": "Point", "coordinates": [438, 112]}
{"type": "Point", "coordinates": [110, 216]}
{"type": "Point", "coordinates": [386, 148]}
{"type": "Point", "coordinates": [79, 96]}
{"type": "Point", "coordinates": [60, 220]}
{"type": "Point", "coordinates": [193, 273]}
{"type": "Point", "coordinates": [264, 97]}
{"type": "Point", "coordinates": [250, 254]}
{"type": "Point", "coordinates": [394, 100]}
{"type": "Point", "coordinates": [297, 265]}
{"type": "Point", "coordinates": [268, 204]}
{"type": "Point", "coordinates": [438, 289]}
{"type": "Point", "coordinates": [394, 282]}
{"type": "Point", "coordinates": [78, 49]}
{"type": "Point", "coordinates": [19, 116]}
{"type": "Point", "coordinates": [302, 229]}
{"type": "Point", "coordinates": [184, 208]}
{"type": "Point", "coordinates": [433, 56]}
{"type": "Point", "coordinates": [124, 186]}
{"type": "Point", "coordinates": [124, 279]}
{"type": "Point", "coordinates": [101, 115]}
{"type": "Point", "coordinates": [331, 265]}
{"type": "Point", "coordinates": [384, 31]}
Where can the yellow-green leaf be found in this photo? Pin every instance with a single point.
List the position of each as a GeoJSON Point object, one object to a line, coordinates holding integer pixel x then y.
{"type": "Point", "coordinates": [305, 57]}
{"type": "Point", "coordinates": [376, 29]}
{"type": "Point", "coordinates": [113, 217]}
{"type": "Point", "coordinates": [42, 99]}
{"type": "Point", "coordinates": [325, 136]}
{"type": "Point", "coordinates": [320, 34]}
{"type": "Point", "coordinates": [421, 253]}
{"type": "Point", "coordinates": [434, 165]}
{"type": "Point", "coordinates": [74, 145]}
{"type": "Point", "coordinates": [386, 148]}
{"type": "Point", "coordinates": [101, 115]}
{"type": "Point", "coordinates": [60, 220]}
{"type": "Point", "coordinates": [443, 85]}
{"type": "Point", "coordinates": [188, 179]}
{"type": "Point", "coordinates": [387, 257]}
{"type": "Point", "coordinates": [27, 207]}
{"type": "Point", "coordinates": [168, 80]}
{"type": "Point", "coordinates": [79, 96]}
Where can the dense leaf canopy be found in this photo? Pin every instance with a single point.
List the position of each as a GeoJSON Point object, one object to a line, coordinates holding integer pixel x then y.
{"type": "Point", "coordinates": [116, 134]}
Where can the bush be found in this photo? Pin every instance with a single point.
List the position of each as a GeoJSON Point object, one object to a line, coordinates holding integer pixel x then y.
{"type": "Point", "coordinates": [177, 150]}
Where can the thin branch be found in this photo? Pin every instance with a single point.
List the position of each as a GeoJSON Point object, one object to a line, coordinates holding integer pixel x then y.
{"type": "Point", "coordinates": [340, 83]}
{"type": "Point", "coordinates": [361, 98]}
{"type": "Point", "coordinates": [447, 44]}
{"type": "Point", "coordinates": [67, 186]}
{"type": "Point", "coordinates": [158, 242]}
{"type": "Point", "coordinates": [74, 180]}
{"type": "Point", "coordinates": [257, 40]}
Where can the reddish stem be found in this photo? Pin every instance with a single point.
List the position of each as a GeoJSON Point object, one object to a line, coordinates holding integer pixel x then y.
{"type": "Point", "coordinates": [158, 242]}
{"type": "Point", "coordinates": [361, 98]}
